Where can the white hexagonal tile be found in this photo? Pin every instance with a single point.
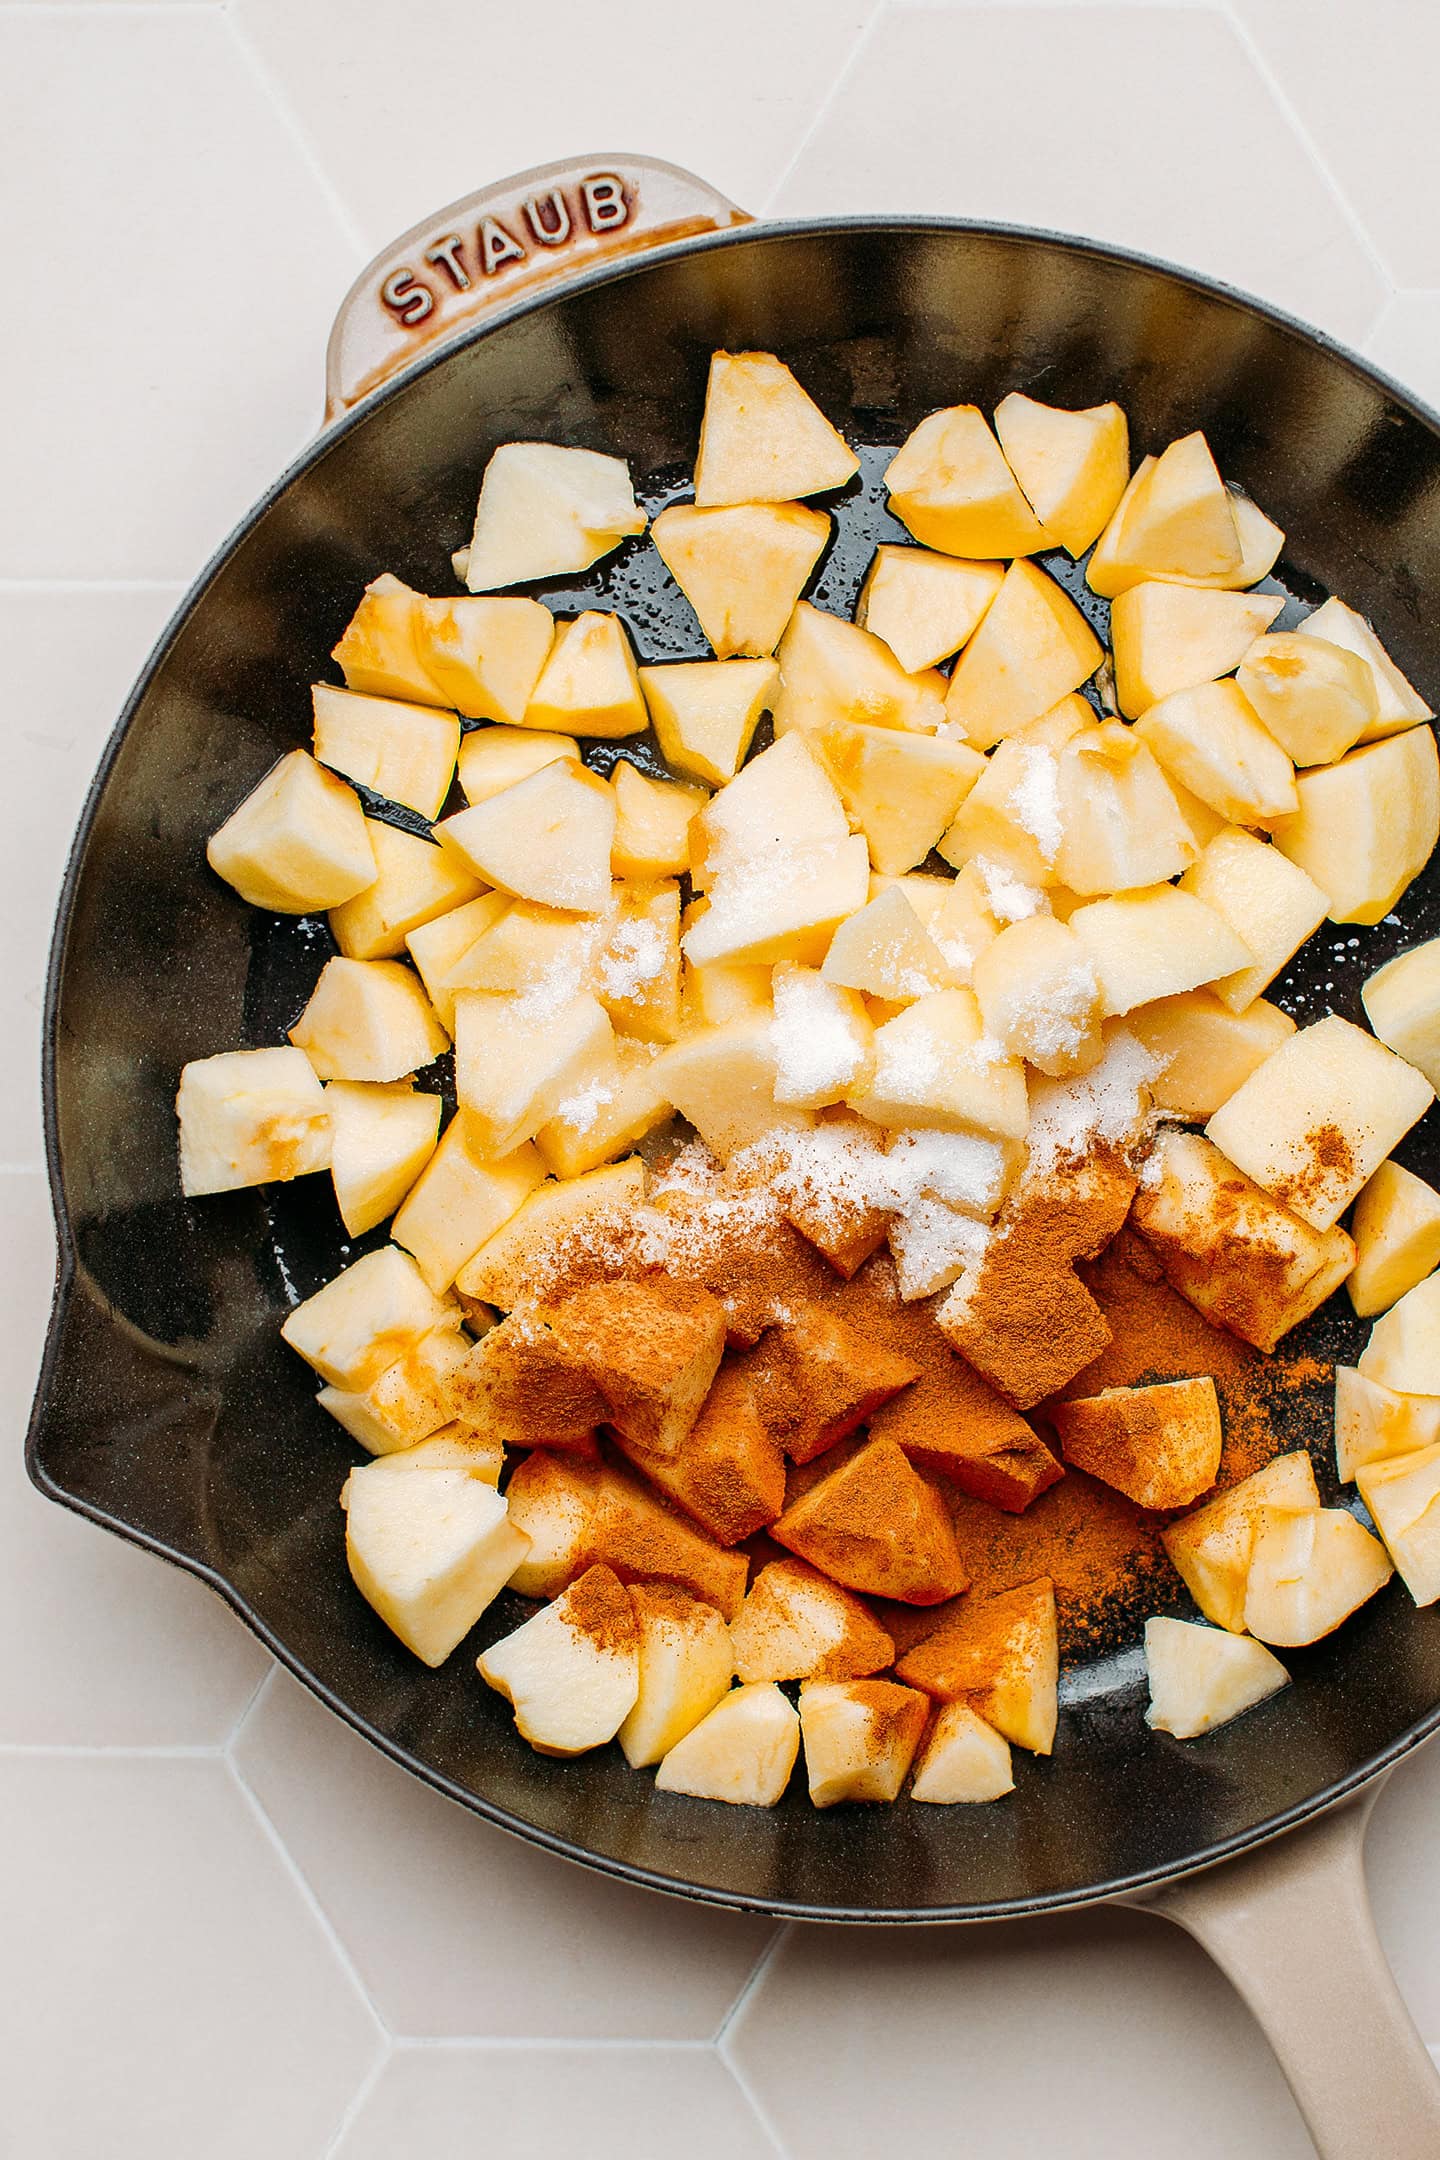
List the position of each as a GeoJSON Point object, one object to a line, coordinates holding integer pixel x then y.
{"type": "Point", "coordinates": [168, 359]}
{"type": "Point", "coordinates": [165, 1989]}
{"type": "Point", "coordinates": [117, 1649]}
{"type": "Point", "coordinates": [1145, 126]}
{"type": "Point", "coordinates": [460, 1929]}
{"type": "Point", "coordinates": [1402, 1858]}
{"type": "Point", "coordinates": [1360, 75]}
{"type": "Point", "coordinates": [727, 92]}
{"type": "Point", "coordinates": [608, 2103]}
{"type": "Point", "coordinates": [1085, 2037]}
{"type": "Point", "coordinates": [1406, 342]}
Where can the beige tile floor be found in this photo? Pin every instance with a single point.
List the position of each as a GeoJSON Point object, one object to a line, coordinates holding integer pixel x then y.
{"type": "Point", "coordinates": [225, 1926]}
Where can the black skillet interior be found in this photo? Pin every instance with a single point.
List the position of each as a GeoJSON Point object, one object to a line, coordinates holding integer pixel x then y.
{"type": "Point", "coordinates": [170, 1411]}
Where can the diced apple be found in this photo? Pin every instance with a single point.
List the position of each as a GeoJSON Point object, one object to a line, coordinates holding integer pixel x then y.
{"type": "Point", "coordinates": [406, 752]}
{"type": "Point", "coordinates": [1403, 1497]}
{"type": "Point", "coordinates": [1315, 698]}
{"type": "Point", "coordinates": [460, 1201]}
{"type": "Point", "coordinates": [439, 949]}
{"type": "Point", "coordinates": [573, 1671]}
{"type": "Point", "coordinates": [1398, 703]}
{"type": "Point", "coordinates": [545, 509]}
{"type": "Point", "coordinates": [1201, 1677]}
{"type": "Point", "coordinates": [553, 1499]}
{"type": "Point", "coordinates": [511, 1266]}
{"type": "Point", "coordinates": [1207, 1049]}
{"type": "Point", "coordinates": [429, 1551]}
{"type": "Point", "coordinates": [378, 654]}
{"type": "Point", "coordinates": [652, 824]}
{"type": "Point", "coordinates": [782, 905]}
{"type": "Point", "coordinates": [763, 438]}
{"type": "Point", "coordinates": [1319, 1116]}
{"type": "Point", "coordinates": [832, 1204]}
{"type": "Point", "coordinates": [590, 684]}
{"type": "Point", "coordinates": [366, 1317]}
{"type": "Point", "coordinates": [723, 1080]}
{"type": "Point", "coordinates": [885, 950]}
{"type": "Point", "coordinates": [1402, 1004]}
{"type": "Point", "coordinates": [383, 1137]}
{"type": "Point", "coordinates": [1073, 466]}
{"type": "Point", "coordinates": [935, 1067]}
{"type": "Point", "coordinates": [298, 843]}
{"type": "Point", "coordinates": [515, 1066]}
{"type": "Point", "coordinates": [457, 1446]}
{"type": "Point", "coordinates": [1011, 814]}
{"type": "Point", "coordinates": [923, 605]}
{"type": "Point", "coordinates": [368, 1020]}
{"type": "Point", "coordinates": [705, 712]}
{"type": "Point", "coordinates": [546, 839]}
{"type": "Point", "coordinates": [1154, 943]}
{"type": "Point", "coordinates": [637, 969]}
{"type": "Point", "coordinates": [742, 568]}
{"type": "Point", "coordinates": [796, 1624]}
{"type": "Point", "coordinates": [414, 882]}
{"type": "Point", "coordinates": [1001, 1656]}
{"type": "Point", "coordinates": [1158, 1444]}
{"type": "Point", "coordinates": [1374, 1423]}
{"type": "Point", "coordinates": [1029, 1343]}
{"type": "Point", "coordinates": [875, 1525]}
{"type": "Point", "coordinates": [1211, 1549]}
{"type": "Point", "coordinates": [545, 953]}
{"type": "Point", "coordinates": [1396, 1228]}
{"type": "Point", "coordinates": [494, 758]}
{"type": "Point", "coordinates": [1040, 996]}
{"type": "Point", "coordinates": [1181, 518]}
{"type": "Point", "coordinates": [931, 1245]}
{"type": "Point", "coordinates": [964, 1760]}
{"type": "Point", "coordinates": [817, 1379]}
{"type": "Point", "coordinates": [1121, 825]}
{"type": "Point", "coordinates": [641, 1538]}
{"type": "Point", "coordinates": [742, 1752]}
{"type": "Point", "coordinates": [1242, 1259]}
{"type": "Point", "coordinates": [901, 790]}
{"type": "Point", "coordinates": [1404, 1347]}
{"type": "Point", "coordinates": [485, 656]}
{"type": "Point", "coordinates": [1368, 825]}
{"type": "Point", "coordinates": [831, 670]}
{"type": "Point", "coordinates": [1170, 637]}
{"type": "Point", "coordinates": [609, 1116]}
{"type": "Point", "coordinates": [712, 995]}
{"type": "Point", "coordinates": [1113, 567]}
{"type": "Point", "coordinates": [782, 799]}
{"type": "Point", "coordinates": [686, 1664]}
{"type": "Point", "coordinates": [1110, 568]}
{"type": "Point", "coordinates": [408, 1401]}
{"type": "Point", "coordinates": [821, 1039]}
{"type": "Point", "coordinates": [1268, 901]}
{"type": "Point", "coordinates": [729, 1477]}
{"type": "Point", "coordinates": [1032, 649]}
{"type": "Point", "coordinates": [1210, 740]}
{"type": "Point", "coordinates": [1308, 1573]}
{"type": "Point", "coordinates": [251, 1117]}
{"type": "Point", "coordinates": [960, 920]}
{"type": "Point", "coordinates": [651, 1348]}
{"type": "Point", "coordinates": [950, 484]}
{"type": "Point", "coordinates": [860, 1738]}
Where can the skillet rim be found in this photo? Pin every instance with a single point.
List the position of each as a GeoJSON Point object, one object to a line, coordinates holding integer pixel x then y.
{"type": "Point", "coordinates": [1129, 1887]}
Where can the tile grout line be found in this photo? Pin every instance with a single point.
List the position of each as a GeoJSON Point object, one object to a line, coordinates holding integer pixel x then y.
{"type": "Point", "coordinates": [113, 1751]}
{"type": "Point", "coordinates": [290, 120]}
{"type": "Point", "coordinates": [764, 2121]}
{"type": "Point", "coordinates": [751, 1982]}
{"type": "Point", "coordinates": [724, 2047]}
{"type": "Point", "coordinates": [1360, 232]}
{"type": "Point", "coordinates": [261, 1687]}
{"type": "Point", "coordinates": [350, 2113]}
{"type": "Point", "coordinates": [543, 2044]}
{"type": "Point", "coordinates": [847, 68]}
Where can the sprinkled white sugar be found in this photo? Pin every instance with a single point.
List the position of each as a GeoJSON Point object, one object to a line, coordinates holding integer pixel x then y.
{"type": "Point", "coordinates": [1055, 1019]}
{"type": "Point", "coordinates": [1035, 799]}
{"type": "Point", "coordinates": [1008, 897]}
{"type": "Point", "coordinates": [906, 1065]}
{"type": "Point", "coordinates": [634, 958]}
{"type": "Point", "coordinates": [816, 1047]}
{"type": "Point", "coordinates": [562, 980]}
{"type": "Point", "coordinates": [1107, 1106]}
{"type": "Point", "coordinates": [582, 1108]}
{"type": "Point", "coordinates": [932, 1245]}
{"type": "Point", "coordinates": [952, 947]}
{"type": "Point", "coordinates": [961, 1169]}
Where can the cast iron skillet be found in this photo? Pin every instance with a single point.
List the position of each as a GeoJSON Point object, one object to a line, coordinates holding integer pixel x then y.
{"type": "Point", "coordinates": [168, 1409]}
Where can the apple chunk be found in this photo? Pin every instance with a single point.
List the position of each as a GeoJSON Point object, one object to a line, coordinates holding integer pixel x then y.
{"type": "Point", "coordinates": [705, 712]}
{"type": "Point", "coordinates": [1211, 1549]}
{"type": "Point", "coordinates": [589, 685]}
{"type": "Point", "coordinates": [1367, 826]}
{"type": "Point", "coordinates": [935, 1067]}
{"type": "Point", "coordinates": [1319, 1116]}
{"type": "Point", "coordinates": [1374, 1423]}
{"type": "Point", "coordinates": [1159, 1445]}
{"type": "Point", "coordinates": [1201, 1677]}
{"type": "Point", "coordinates": [485, 656]}
{"type": "Point", "coordinates": [573, 1671]}
{"type": "Point", "coordinates": [876, 1526]}
{"type": "Point", "coordinates": [1181, 518]}
{"type": "Point", "coordinates": [1267, 900]}
{"type": "Point", "coordinates": [494, 758]}
{"type": "Point", "coordinates": [796, 1624]}
{"type": "Point", "coordinates": [1154, 942]}
{"type": "Point", "coordinates": [1032, 648]}
{"type": "Point", "coordinates": [1403, 1496]}
{"type": "Point", "coordinates": [547, 839]}
{"type": "Point", "coordinates": [1210, 740]}
{"type": "Point", "coordinates": [1121, 823]}
{"type": "Point", "coordinates": [1398, 703]}
{"type": "Point", "coordinates": [741, 567]}
{"type": "Point", "coordinates": [964, 1760]}
{"type": "Point", "coordinates": [923, 605]}
{"type": "Point", "coordinates": [901, 790]}
{"type": "Point", "coordinates": [378, 653]}
{"type": "Point", "coordinates": [366, 1317]}
{"type": "Point", "coordinates": [383, 1137]}
{"type": "Point", "coordinates": [831, 670]}
{"type": "Point", "coordinates": [368, 1020]}
{"type": "Point", "coordinates": [429, 1551]}
{"type": "Point", "coordinates": [1073, 466]}
{"type": "Point", "coordinates": [545, 509]}
{"type": "Point", "coordinates": [406, 752]}
{"type": "Point", "coordinates": [742, 1751]}
{"type": "Point", "coordinates": [784, 904]}
{"type": "Point", "coordinates": [1315, 698]}
{"type": "Point", "coordinates": [1404, 1347]}
{"type": "Point", "coordinates": [1040, 996]}
{"type": "Point", "coordinates": [299, 842]}
{"type": "Point", "coordinates": [885, 951]}
{"type": "Point", "coordinates": [1206, 1048]}
{"type": "Point", "coordinates": [860, 1738]}
{"type": "Point", "coordinates": [950, 484]}
{"type": "Point", "coordinates": [1402, 1004]}
{"type": "Point", "coordinates": [1396, 1228]}
{"type": "Point", "coordinates": [723, 1080]}
{"type": "Point", "coordinates": [763, 438]}
{"type": "Point", "coordinates": [410, 1400]}
{"type": "Point", "coordinates": [1168, 638]}
{"type": "Point", "coordinates": [415, 881]}
{"type": "Point", "coordinates": [516, 1065]}
{"type": "Point", "coordinates": [1001, 1656]}
{"type": "Point", "coordinates": [250, 1117]}
{"type": "Point", "coordinates": [652, 824]}
{"type": "Point", "coordinates": [460, 1201]}
{"type": "Point", "coordinates": [1308, 1573]}
{"type": "Point", "coordinates": [652, 1349]}
{"type": "Point", "coordinates": [685, 1669]}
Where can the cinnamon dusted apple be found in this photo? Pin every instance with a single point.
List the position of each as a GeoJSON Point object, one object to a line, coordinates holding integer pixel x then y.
{"type": "Point", "coordinates": [651, 1349]}
{"type": "Point", "coordinates": [1159, 1445]}
{"type": "Point", "coordinates": [1000, 1655]}
{"type": "Point", "coordinates": [816, 1379]}
{"type": "Point", "coordinates": [875, 1525]}
{"type": "Point", "coordinates": [859, 1737]}
{"type": "Point", "coordinates": [686, 1663]}
{"type": "Point", "coordinates": [729, 1473]}
{"type": "Point", "coordinates": [796, 1624]}
{"type": "Point", "coordinates": [573, 1671]}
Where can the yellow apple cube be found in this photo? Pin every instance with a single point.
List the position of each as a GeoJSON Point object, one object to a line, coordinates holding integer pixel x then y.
{"type": "Point", "coordinates": [609, 1117]}
{"type": "Point", "coordinates": [546, 953]}
{"type": "Point", "coordinates": [1402, 1004]}
{"type": "Point", "coordinates": [505, 1269]}
{"type": "Point", "coordinates": [936, 1067]}
{"type": "Point", "coordinates": [924, 605]}
{"type": "Point", "coordinates": [1206, 1048]}
{"type": "Point", "coordinates": [743, 1752]}
{"type": "Point", "coordinates": [1308, 1573]}
{"type": "Point", "coordinates": [785, 905]}
{"type": "Point", "coordinates": [1169, 637]}
{"type": "Point", "coordinates": [1012, 814]}
{"type": "Point", "coordinates": [1121, 826]}
{"type": "Point", "coordinates": [415, 881]}
{"type": "Point", "coordinates": [1210, 740]}
{"type": "Point", "coordinates": [711, 995]}
{"type": "Point", "coordinates": [251, 1117]}
{"type": "Point", "coordinates": [1319, 1117]}
{"type": "Point", "coordinates": [1315, 698]}
{"type": "Point", "coordinates": [590, 684]}
{"type": "Point", "coordinates": [831, 670]}
{"type": "Point", "coordinates": [494, 758]}
{"type": "Point", "coordinates": [1113, 566]}
{"type": "Point", "coordinates": [1032, 649]}
{"type": "Point", "coordinates": [901, 790]}
{"type": "Point", "coordinates": [408, 1401]}
{"type": "Point", "coordinates": [782, 799]}
{"type": "Point", "coordinates": [885, 950]}
{"type": "Point", "coordinates": [299, 842]}
{"type": "Point", "coordinates": [1181, 518]}
{"type": "Point", "coordinates": [515, 1064]}
{"type": "Point", "coordinates": [1201, 1677]}
{"type": "Point", "coordinates": [1396, 1228]}
{"type": "Point", "coordinates": [548, 838]}
{"type": "Point", "coordinates": [485, 656]}
{"type": "Point", "coordinates": [1398, 703]}
{"type": "Point", "coordinates": [964, 1760]}
{"type": "Point", "coordinates": [821, 1037]}
{"type": "Point", "coordinates": [383, 1137]}
{"type": "Point", "coordinates": [1155, 942]}
{"type": "Point", "coordinates": [723, 1080]}
{"type": "Point", "coordinates": [860, 1738]}
{"type": "Point", "coordinates": [459, 1202]}
{"type": "Point", "coordinates": [763, 438]}
{"type": "Point", "coordinates": [686, 1664]}
{"type": "Point", "coordinates": [1367, 825]}
{"type": "Point", "coordinates": [367, 1317]}
{"type": "Point", "coordinates": [1040, 995]}
{"type": "Point", "coordinates": [741, 568]}
{"type": "Point", "coordinates": [705, 712]}
{"type": "Point", "coordinates": [637, 970]}
{"type": "Point", "coordinates": [1267, 900]}
{"type": "Point", "coordinates": [950, 484]}
{"type": "Point", "coordinates": [573, 1671]}
{"type": "Point", "coordinates": [429, 1551]}
{"type": "Point", "coordinates": [1404, 1501]}
{"type": "Point", "coordinates": [378, 653]}
{"type": "Point", "coordinates": [652, 824]}
{"type": "Point", "coordinates": [1375, 1423]}
{"type": "Point", "coordinates": [1404, 1347]}
{"type": "Point", "coordinates": [1211, 1548]}
{"type": "Point", "coordinates": [545, 509]}
{"type": "Point", "coordinates": [1073, 466]}
{"type": "Point", "coordinates": [439, 948]}
{"type": "Point", "coordinates": [406, 752]}
{"type": "Point", "coordinates": [368, 1020]}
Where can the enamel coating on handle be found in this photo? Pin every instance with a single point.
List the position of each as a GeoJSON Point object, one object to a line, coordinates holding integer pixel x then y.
{"type": "Point", "coordinates": [1290, 1925]}
{"type": "Point", "coordinates": [502, 243]}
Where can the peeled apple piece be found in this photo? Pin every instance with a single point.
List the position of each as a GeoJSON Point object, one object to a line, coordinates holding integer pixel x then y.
{"type": "Point", "coordinates": [1308, 1573]}
{"type": "Point", "coordinates": [1396, 1228]}
{"type": "Point", "coordinates": [950, 484]}
{"type": "Point", "coordinates": [250, 1117]}
{"type": "Point", "coordinates": [1211, 1548]}
{"type": "Point", "coordinates": [1072, 466]}
{"type": "Point", "coordinates": [573, 1671]}
{"type": "Point", "coordinates": [1368, 825]}
{"type": "Point", "coordinates": [742, 1752]}
{"type": "Point", "coordinates": [545, 509]}
{"type": "Point", "coordinates": [1403, 1496]}
{"type": "Point", "coordinates": [1404, 1347]}
{"type": "Point", "coordinates": [965, 1760]}
{"type": "Point", "coordinates": [763, 438]}
{"type": "Point", "coordinates": [429, 1551]}
{"type": "Point", "coordinates": [686, 1665]}
{"type": "Point", "coordinates": [1201, 1677]}
{"type": "Point", "coordinates": [384, 1134]}
{"type": "Point", "coordinates": [1374, 1423]}
{"type": "Point", "coordinates": [298, 843]}
{"type": "Point", "coordinates": [1398, 703]}
{"type": "Point", "coordinates": [1402, 1004]}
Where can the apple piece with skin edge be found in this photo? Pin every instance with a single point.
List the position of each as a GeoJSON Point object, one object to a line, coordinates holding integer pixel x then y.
{"type": "Point", "coordinates": [1374, 1423]}
{"type": "Point", "coordinates": [1211, 1548]}
{"type": "Point", "coordinates": [1267, 900]}
{"type": "Point", "coordinates": [495, 758]}
{"type": "Point", "coordinates": [924, 605]}
{"type": "Point", "coordinates": [1207, 1049]}
{"type": "Point", "coordinates": [405, 752]}
{"type": "Point", "coordinates": [1403, 1496]}
{"type": "Point", "coordinates": [963, 1761]}
{"type": "Point", "coordinates": [485, 656]}
{"type": "Point", "coordinates": [298, 843]}
{"type": "Point", "coordinates": [1201, 1677]}
{"type": "Point", "coordinates": [1396, 1228]}
{"type": "Point", "coordinates": [1073, 467]}
{"type": "Point", "coordinates": [686, 1665]}
{"type": "Point", "coordinates": [429, 1552]}
{"type": "Point", "coordinates": [1309, 1572]}
{"type": "Point", "coordinates": [366, 1317]}
{"type": "Point", "coordinates": [415, 880]}
{"type": "Point", "coordinates": [742, 567]}
{"type": "Point", "coordinates": [1367, 825]}
{"type": "Point", "coordinates": [1169, 637]}
{"type": "Point", "coordinates": [763, 438]}
{"type": "Point", "coordinates": [859, 1737]}
{"type": "Point", "coordinates": [1315, 698]}
{"type": "Point", "coordinates": [742, 1751]}
{"type": "Point", "coordinates": [368, 1020]}
{"type": "Point", "coordinates": [573, 1671]}
{"type": "Point", "coordinates": [545, 509]}
{"type": "Point", "coordinates": [1033, 648]}
{"type": "Point", "coordinates": [384, 1135]}
{"type": "Point", "coordinates": [950, 486]}
{"type": "Point", "coordinates": [1402, 1004]}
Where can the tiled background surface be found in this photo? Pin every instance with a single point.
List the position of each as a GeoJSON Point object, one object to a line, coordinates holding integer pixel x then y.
{"type": "Point", "coordinates": [226, 1928]}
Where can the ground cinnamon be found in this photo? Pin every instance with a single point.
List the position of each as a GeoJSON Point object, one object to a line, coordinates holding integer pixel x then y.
{"type": "Point", "coordinates": [597, 1607]}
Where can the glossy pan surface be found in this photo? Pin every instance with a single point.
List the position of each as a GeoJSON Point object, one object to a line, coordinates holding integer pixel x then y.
{"type": "Point", "coordinates": [170, 1411]}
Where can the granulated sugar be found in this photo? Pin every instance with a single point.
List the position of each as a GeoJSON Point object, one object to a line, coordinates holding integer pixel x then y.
{"type": "Point", "coordinates": [962, 1170]}
{"type": "Point", "coordinates": [817, 1048]}
{"type": "Point", "coordinates": [931, 1245]}
{"type": "Point", "coordinates": [635, 957]}
{"type": "Point", "coordinates": [1054, 1022]}
{"type": "Point", "coordinates": [1035, 799]}
{"type": "Point", "coordinates": [581, 1109]}
{"type": "Point", "coordinates": [1007, 896]}
{"type": "Point", "coordinates": [1105, 1107]}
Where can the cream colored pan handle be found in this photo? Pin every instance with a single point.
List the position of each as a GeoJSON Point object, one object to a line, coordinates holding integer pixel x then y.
{"type": "Point", "coordinates": [1291, 1926]}
{"type": "Point", "coordinates": [502, 244]}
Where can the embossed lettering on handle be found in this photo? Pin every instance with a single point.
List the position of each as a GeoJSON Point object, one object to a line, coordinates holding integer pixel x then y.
{"type": "Point", "coordinates": [500, 245]}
